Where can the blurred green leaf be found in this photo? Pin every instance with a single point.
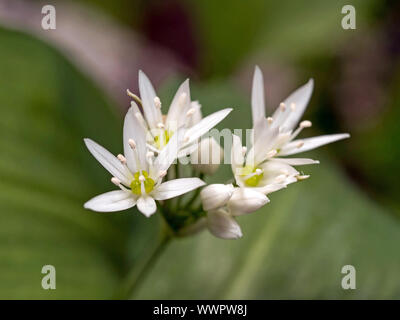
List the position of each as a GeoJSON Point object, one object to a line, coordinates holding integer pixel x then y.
{"type": "Point", "coordinates": [233, 30]}
{"type": "Point", "coordinates": [46, 174]}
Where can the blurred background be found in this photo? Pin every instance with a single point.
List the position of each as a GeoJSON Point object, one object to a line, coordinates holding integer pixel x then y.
{"type": "Point", "coordinates": [59, 86]}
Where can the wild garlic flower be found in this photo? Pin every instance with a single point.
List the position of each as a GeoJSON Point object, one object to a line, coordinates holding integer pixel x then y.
{"type": "Point", "coordinates": [260, 167]}
{"type": "Point", "coordinates": [183, 112]}
{"type": "Point", "coordinates": [224, 202]}
{"type": "Point", "coordinates": [139, 173]}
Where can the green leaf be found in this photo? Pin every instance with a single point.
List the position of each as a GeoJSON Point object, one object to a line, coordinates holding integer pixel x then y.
{"type": "Point", "coordinates": [46, 174]}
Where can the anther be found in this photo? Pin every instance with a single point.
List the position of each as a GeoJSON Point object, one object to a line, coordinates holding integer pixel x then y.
{"type": "Point", "coordinates": [282, 106]}
{"type": "Point", "coordinates": [116, 181]}
{"type": "Point", "coordinates": [303, 177]}
{"type": "Point", "coordinates": [162, 173]}
{"type": "Point", "coordinates": [305, 124]}
{"type": "Point", "coordinates": [271, 153]}
{"type": "Point", "coordinates": [132, 143]}
{"type": "Point", "coordinates": [150, 154]}
{"type": "Point", "coordinates": [258, 171]}
{"type": "Point", "coordinates": [300, 144]}
{"type": "Point", "coordinates": [142, 178]}
{"type": "Point", "coordinates": [157, 102]}
{"type": "Point", "coordinates": [121, 158]}
{"type": "Point", "coordinates": [292, 106]}
{"type": "Point", "coordinates": [160, 125]}
{"type": "Point", "coordinates": [270, 120]}
{"type": "Point", "coordinates": [244, 150]}
{"type": "Point", "coordinates": [190, 112]}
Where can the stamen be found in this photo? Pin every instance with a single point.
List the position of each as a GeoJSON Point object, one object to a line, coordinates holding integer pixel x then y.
{"type": "Point", "coordinates": [271, 153]}
{"type": "Point", "coordinates": [302, 125]}
{"type": "Point", "coordinates": [116, 181]}
{"type": "Point", "coordinates": [244, 150]}
{"type": "Point", "coordinates": [292, 106]}
{"type": "Point", "coordinates": [190, 112]}
{"type": "Point", "coordinates": [303, 177]}
{"type": "Point", "coordinates": [300, 144]}
{"type": "Point", "coordinates": [305, 124]}
{"type": "Point", "coordinates": [122, 159]}
{"type": "Point", "coordinates": [150, 154]}
{"type": "Point", "coordinates": [162, 173]}
{"type": "Point", "coordinates": [258, 171]}
{"type": "Point", "coordinates": [282, 106]}
{"type": "Point", "coordinates": [132, 143]}
{"type": "Point", "coordinates": [157, 102]}
{"type": "Point", "coordinates": [270, 120]}
{"type": "Point", "coordinates": [160, 125]}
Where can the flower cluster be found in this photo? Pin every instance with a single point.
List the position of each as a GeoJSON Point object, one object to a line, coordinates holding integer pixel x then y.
{"type": "Point", "coordinates": [154, 142]}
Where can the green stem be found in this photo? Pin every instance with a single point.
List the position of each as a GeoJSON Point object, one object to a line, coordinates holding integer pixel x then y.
{"type": "Point", "coordinates": [195, 194]}
{"type": "Point", "coordinates": [136, 277]}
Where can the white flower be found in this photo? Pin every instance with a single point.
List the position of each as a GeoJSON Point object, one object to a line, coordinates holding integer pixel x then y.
{"type": "Point", "coordinates": [182, 113]}
{"type": "Point", "coordinates": [222, 225]}
{"type": "Point", "coordinates": [259, 167]}
{"type": "Point", "coordinates": [246, 200]}
{"type": "Point", "coordinates": [280, 130]}
{"type": "Point", "coordinates": [224, 202]}
{"type": "Point", "coordinates": [215, 196]}
{"type": "Point", "coordinates": [138, 173]}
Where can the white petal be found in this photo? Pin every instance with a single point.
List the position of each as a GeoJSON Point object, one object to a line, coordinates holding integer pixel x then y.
{"type": "Point", "coordinates": [111, 201]}
{"type": "Point", "coordinates": [237, 157]}
{"type": "Point", "coordinates": [257, 97]}
{"type": "Point", "coordinates": [133, 130]}
{"type": "Point", "coordinates": [147, 95]}
{"type": "Point", "coordinates": [215, 196]}
{"type": "Point", "coordinates": [170, 152]}
{"type": "Point", "coordinates": [277, 173]}
{"type": "Point", "coordinates": [263, 144]}
{"type": "Point", "coordinates": [146, 205]}
{"type": "Point", "coordinates": [222, 225]}
{"type": "Point", "coordinates": [300, 98]}
{"type": "Point", "coordinates": [177, 110]}
{"type": "Point", "coordinates": [174, 188]}
{"type": "Point", "coordinates": [205, 125]}
{"type": "Point", "coordinates": [108, 161]}
{"type": "Point", "coordinates": [183, 152]}
{"type": "Point", "coordinates": [246, 200]}
{"type": "Point", "coordinates": [297, 161]}
{"type": "Point", "coordinates": [311, 143]}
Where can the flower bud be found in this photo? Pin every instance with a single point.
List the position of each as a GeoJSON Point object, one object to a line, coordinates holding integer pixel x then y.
{"type": "Point", "coordinates": [246, 200]}
{"type": "Point", "coordinates": [222, 225]}
{"type": "Point", "coordinates": [215, 196]}
{"type": "Point", "coordinates": [208, 156]}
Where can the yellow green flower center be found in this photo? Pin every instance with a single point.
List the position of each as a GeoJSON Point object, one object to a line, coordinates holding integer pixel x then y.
{"type": "Point", "coordinates": [136, 185]}
{"type": "Point", "coordinates": [162, 139]}
{"type": "Point", "coordinates": [254, 180]}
